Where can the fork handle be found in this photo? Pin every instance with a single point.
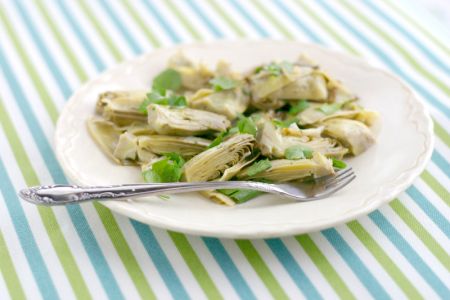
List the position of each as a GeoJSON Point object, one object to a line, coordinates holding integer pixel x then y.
{"type": "Point", "coordinates": [67, 194]}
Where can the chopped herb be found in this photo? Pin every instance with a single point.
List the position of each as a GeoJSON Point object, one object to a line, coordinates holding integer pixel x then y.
{"type": "Point", "coordinates": [258, 69]}
{"type": "Point", "coordinates": [156, 98]}
{"type": "Point", "coordinates": [223, 83]}
{"type": "Point", "coordinates": [339, 164]}
{"type": "Point", "coordinates": [258, 167]}
{"type": "Point", "coordinates": [246, 125]}
{"type": "Point", "coordinates": [297, 152]}
{"type": "Point", "coordinates": [164, 197]}
{"type": "Point", "coordinates": [285, 123]}
{"type": "Point", "coordinates": [276, 69]}
{"type": "Point", "coordinates": [298, 107]}
{"type": "Point", "coordinates": [219, 139]}
{"type": "Point", "coordinates": [329, 109]}
{"type": "Point", "coordinates": [169, 79]}
{"type": "Point", "coordinates": [240, 196]}
{"type": "Point", "coordinates": [168, 169]}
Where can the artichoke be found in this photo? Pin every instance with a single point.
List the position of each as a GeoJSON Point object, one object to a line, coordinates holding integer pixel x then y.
{"type": "Point", "coordinates": [185, 146]}
{"type": "Point", "coordinates": [212, 163]}
{"type": "Point", "coordinates": [184, 121]}
{"type": "Point", "coordinates": [218, 197]}
{"type": "Point", "coordinates": [121, 107]}
{"type": "Point", "coordinates": [193, 77]}
{"type": "Point", "coordinates": [354, 135]}
{"type": "Point", "coordinates": [283, 170]}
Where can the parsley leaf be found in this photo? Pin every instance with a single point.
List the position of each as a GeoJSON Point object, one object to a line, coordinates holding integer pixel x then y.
{"type": "Point", "coordinates": [285, 123]}
{"type": "Point", "coordinates": [168, 79]}
{"type": "Point", "coordinates": [339, 164]}
{"type": "Point", "coordinates": [223, 83]}
{"type": "Point", "coordinates": [157, 98]}
{"type": "Point", "coordinates": [168, 169]}
{"type": "Point", "coordinates": [297, 152]}
{"type": "Point", "coordinates": [258, 167]}
{"type": "Point", "coordinates": [246, 125]}
{"type": "Point", "coordinates": [218, 139]}
{"type": "Point", "coordinates": [298, 107]}
{"type": "Point", "coordinates": [240, 196]}
{"type": "Point", "coordinates": [276, 69]}
{"type": "Point", "coordinates": [329, 109]}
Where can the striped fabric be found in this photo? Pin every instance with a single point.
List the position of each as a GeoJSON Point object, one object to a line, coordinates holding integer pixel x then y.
{"type": "Point", "coordinates": [49, 48]}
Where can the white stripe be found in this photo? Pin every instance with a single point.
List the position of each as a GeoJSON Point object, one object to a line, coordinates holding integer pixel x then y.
{"type": "Point", "coordinates": [245, 269]}
{"type": "Point", "coordinates": [439, 175]}
{"type": "Point", "coordinates": [277, 269]}
{"type": "Point", "coordinates": [180, 267]}
{"type": "Point", "coordinates": [340, 266]}
{"type": "Point", "coordinates": [260, 19]}
{"type": "Point", "coordinates": [210, 13]}
{"type": "Point", "coordinates": [238, 19]}
{"type": "Point", "coordinates": [370, 263]}
{"type": "Point", "coordinates": [214, 270]}
{"type": "Point", "coordinates": [144, 260]}
{"type": "Point", "coordinates": [310, 268]}
{"type": "Point", "coordinates": [198, 25]}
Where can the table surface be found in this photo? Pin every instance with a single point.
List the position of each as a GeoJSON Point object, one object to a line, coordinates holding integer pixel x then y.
{"type": "Point", "coordinates": [49, 48]}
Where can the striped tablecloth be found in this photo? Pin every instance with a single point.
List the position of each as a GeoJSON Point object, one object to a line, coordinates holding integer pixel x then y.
{"type": "Point", "coordinates": [49, 48]}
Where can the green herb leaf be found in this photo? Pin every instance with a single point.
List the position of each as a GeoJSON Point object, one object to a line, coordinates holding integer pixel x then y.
{"type": "Point", "coordinates": [246, 125]}
{"type": "Point", "coordinates": [169, 79]}
{"type": "Point", "coordinates": [298, 107]}
{"type": "Point", "coordinates": [258, 167]}
{"type": "Point", "coordinates": [157, 98]}
{"type": "Point", "coordinates": [297, 152]}
{"type": "Point", "coordinates": [285, 123]}
{"type": "Point", "coordinates": [339, 164]}
{"type": "Point", "coordinates": [176, 100]}
{"type": "Point", "coordinates": [168, 169]}
{"type": "Point", "coordinates": [223, 83]}
{"type": "Point", "coordinates": [329, 109]}
{"type": "Point", "coordinates": [218, 140]}
{"type": "Point", "coordinates": [240, 196]}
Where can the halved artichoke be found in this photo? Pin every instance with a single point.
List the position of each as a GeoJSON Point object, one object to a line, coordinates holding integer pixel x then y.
{"type": "Point", "coordinates": [273, 143]}
{"type": "Point", "coordinates": [352, 134]}
{"type": "Point", "coordinates": [193, 77]}
{"type": "Point", "coordinates": [218, 197]}
{"type": "Point", "coordinates": [184, 121]}
{"type": "Point", "coordinates": [185, 146]}
{"type": "Point", "coordinates": [121, 107]}
{"type": "Point", "coordinates": [212, 163]}
{"type": "Point", "coordinates": [106, 134]}
{"type": "Point", "coordinates": [283, 170]}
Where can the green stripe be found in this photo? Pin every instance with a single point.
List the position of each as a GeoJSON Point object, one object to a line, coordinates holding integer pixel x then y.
{"type": "Point", "coordinates": [195, 265]}
{"type": "Point", "coordinates": [124, 251]}
{"type": "Point", "coordinates": [440, 84]}
{"type": "Point", "coordinates": [144, 27]}
{"type": "Point", "coordinates": [411, 21]}
{"type": "Point", "coordinates": [42, 91]}
{"type": "Point", "coordinates": [441, 254]}
{"type": "Point", "coordinates": [105, 37]}
{"type": "Point", "coordinates": [436, 186]}
{"type": "Point", "coordinates": [328, 28]}
{"type": "Point", "coordinates": [441, 133]}
{"type": "Point", "coordinates": [261, 269]}
{"type": "Point", "coordinates": [324, 267]}
{"type": "Point", "coordinates": [62, 42]}
{"type": "Point", "coordinates": [226, 17]}
{"type": "Point", "coordinates": [47, 215]}
{"type": "Point", "coordinates": [183, 19]}
{"type": "Point", "coordinates": [273, 20]}
{"type": "Point", "coordinates": [384, 260]}
{"type": "Point", "coordinates": [9, 272]}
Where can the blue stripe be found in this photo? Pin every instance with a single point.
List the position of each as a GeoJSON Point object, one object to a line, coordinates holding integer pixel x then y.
{"type": "Point", "coordinates": [388, 61]}
{"type": "Point", "coordinates": [68, 16]}
{"type": "Point", "coordinates": [26, 238]}
{"type": "Point", "coordinates": [355, 263]}
{"type": "Point", "coordinates": [381, 14]}
{"type": "Point", "coordinates": [229, 268]}
{"type": "Point", "coordinates": [211, 26]}
{"type": "Point", "coordinates": [145, 234]}
{"type": "Point", "coordinates": [408, 252]}
{"type": "Point", "coordinates": [160, 260]}
{"type": "Point", "coordinates": [295, 271]}
{"type": "Point", "coordinates": [57, 75]}
{"type": "Point", "coordinates": [435, 215]}
{"type": "Point", "coordinates": [162, 21]}
{"type": "Point", "coordinates": [76, 214]}
{"type": "Point", "coordinates": [261, 31]}
{"type": "Point", "coordinates": [443, 164]}
{"type": "Point", "coordinates": [119, 25]}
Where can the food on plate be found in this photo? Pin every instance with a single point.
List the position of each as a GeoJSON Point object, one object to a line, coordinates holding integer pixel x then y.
{"type": "Point", "coordinates": [281, 121]}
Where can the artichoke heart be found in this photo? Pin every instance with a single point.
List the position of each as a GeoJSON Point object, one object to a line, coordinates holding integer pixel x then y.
{"type": "Point", "coordinates": [283, 170]}
{"type": "Point", "coordinates": [272, 142]}
{"type": "Point", "coordinates": [121, 107]}
{"type": "Point", "coordinates": [218, 197]}
{"type": "Point", "coordinates": [193, 77]}
{"type": "Point", "coordinates": [184, 121]}
{"type": "Point", "coordinates": [185, 146]}
{"type": "Point", "coordinates": [352, 134]}
{"type": "Point", "coordinates": [212, 163]}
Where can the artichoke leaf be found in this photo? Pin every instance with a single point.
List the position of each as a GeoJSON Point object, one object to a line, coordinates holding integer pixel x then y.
{"type": "Point", "coordinates": [184, 121]}
{"type": "Point", "coordinates": [218, 197]}
{"type": "Point", "coordinates": [126, 149]}
{"type": "Point", "coordinates": [185, 146]}
{"type": "Point", "coordinates": [193, 76]}
{"type": "Point", "coordinates": [106, 134]}
{"type": "Point", "coordinates": [122, 107]}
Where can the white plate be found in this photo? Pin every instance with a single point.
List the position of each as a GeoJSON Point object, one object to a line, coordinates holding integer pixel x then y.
{"type": "Point", "coordinates": [404, 146]}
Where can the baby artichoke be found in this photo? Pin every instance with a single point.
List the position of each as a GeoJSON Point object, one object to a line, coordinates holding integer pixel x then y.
{"type": "Point", "coordinates": [185, 146]}
{"type": "Point", "coordinates": [121, 107]}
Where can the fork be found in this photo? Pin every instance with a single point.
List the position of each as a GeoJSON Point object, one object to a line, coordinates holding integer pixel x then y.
{"type": "Point", "coordinates": [70, 194]}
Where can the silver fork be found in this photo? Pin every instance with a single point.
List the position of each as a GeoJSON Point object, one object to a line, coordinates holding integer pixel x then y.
{"type": "Point", "coordinates": [69, 194]}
